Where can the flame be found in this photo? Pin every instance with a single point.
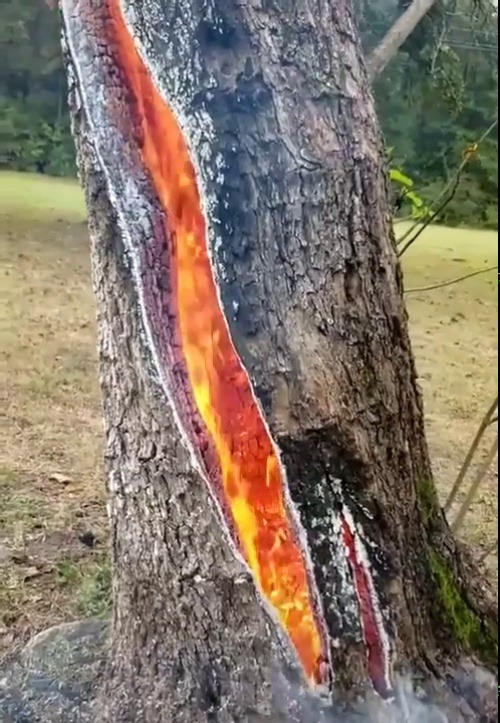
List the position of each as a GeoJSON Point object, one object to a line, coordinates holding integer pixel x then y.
{"type": "Point", "coordinates": [251, 476]}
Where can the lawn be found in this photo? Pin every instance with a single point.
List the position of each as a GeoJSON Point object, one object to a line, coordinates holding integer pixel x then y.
{"type": "Point", "coordinates": [52, 501]}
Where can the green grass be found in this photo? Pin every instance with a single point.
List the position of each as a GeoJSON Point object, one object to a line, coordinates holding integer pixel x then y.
{"type": "Point", "coordinates": [51, 478]}
{"type": "Point", "coordinates": [51, 406]}
{"type": "Point", "coordinates": [454, 336]}
{"type": "Point", "coordinates": [89, 584]}
{"type": "Point", "coordinates": [29, 197]}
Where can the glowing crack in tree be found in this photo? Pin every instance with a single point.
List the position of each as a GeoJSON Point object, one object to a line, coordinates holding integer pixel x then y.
{"type": "Point", "coordinates": [212, 390]}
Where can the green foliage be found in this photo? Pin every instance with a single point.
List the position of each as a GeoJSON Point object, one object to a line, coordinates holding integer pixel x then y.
{"type": "Point", "coordinates": [94, 598]}
{"type": "Point", "coordinates": [92, 585]}
{"type": "Point", "coordinates": [436, 98]}
{"type": "Point", "coordinates": [34, 125]}
{"type": "Point", "coordinates": [419, 210]}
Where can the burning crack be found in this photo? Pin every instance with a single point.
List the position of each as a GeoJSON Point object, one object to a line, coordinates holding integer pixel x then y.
{"type": "Point", "coordinates": [154, 187]}
{"type": "Point", "coordinates": [188, 333]}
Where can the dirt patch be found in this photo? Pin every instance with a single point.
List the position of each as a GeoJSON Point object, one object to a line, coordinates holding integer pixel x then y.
{"type": "Point", "coordinates": [455, 339]}
{"type": "Point", "coordinates": [52, 495]}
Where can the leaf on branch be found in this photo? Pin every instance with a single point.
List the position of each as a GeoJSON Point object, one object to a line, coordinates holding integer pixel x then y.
{"type": "Point", "coordinates": [399, 177]}
{"type": "Point", "coordinates": [419, 209]}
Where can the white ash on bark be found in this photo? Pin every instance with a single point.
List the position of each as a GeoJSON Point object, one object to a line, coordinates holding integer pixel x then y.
{"type": "Point", "coordinates": [276, 109]}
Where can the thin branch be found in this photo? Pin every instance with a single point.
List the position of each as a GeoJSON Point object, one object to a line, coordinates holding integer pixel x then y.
{"type": "Point", "coordinates": [492, 421]}
{"type": "Point", "coordinates": [452, 281]}
{"type": "Point", "coordinates": [427, 221]}
{"type": "Point", "coordinates": [489, 551]}
{"type": "Point", "coordinates": [469, 152]}
{"type": "Point", "coordinates": [451, 186]}
{"type": "Point", "coordinates": [470, 454]}
{"type": "Point", "coordinates": [438, 48]}
{"type": "Point", "coordinates": [396, 36]}
{"type": "Point", "coordinates": [457, 523]}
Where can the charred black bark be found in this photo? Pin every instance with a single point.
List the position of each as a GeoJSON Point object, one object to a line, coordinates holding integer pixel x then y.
{"type": "Point", "coordinates": [275, 104]}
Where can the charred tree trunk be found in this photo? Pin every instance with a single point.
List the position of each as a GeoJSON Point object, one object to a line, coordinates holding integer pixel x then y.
{"type": "Point", "coordinates": [264, 552]}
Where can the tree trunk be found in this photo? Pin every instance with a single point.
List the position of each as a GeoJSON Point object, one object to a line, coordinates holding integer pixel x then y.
{"type": "Point", "coordinates": [275, 529]}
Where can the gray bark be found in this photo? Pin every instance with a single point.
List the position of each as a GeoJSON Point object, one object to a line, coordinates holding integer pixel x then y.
{"type": "Point", "coordinates": [275, 104]}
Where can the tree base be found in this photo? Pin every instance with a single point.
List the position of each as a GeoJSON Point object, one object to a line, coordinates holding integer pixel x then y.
{"type": "Point", "coordinates": [56, 678]}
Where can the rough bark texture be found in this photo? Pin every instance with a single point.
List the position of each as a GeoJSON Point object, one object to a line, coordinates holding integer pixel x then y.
{"type": "Point", "coordinates": [275, 104]}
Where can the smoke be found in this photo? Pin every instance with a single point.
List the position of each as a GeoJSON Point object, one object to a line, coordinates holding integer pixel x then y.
{"type": "Point", "coordinates": [464, 695]}
{"type": "Point", "coordinates": [405, 707]}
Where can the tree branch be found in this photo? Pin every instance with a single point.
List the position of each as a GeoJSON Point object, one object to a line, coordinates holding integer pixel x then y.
{"type": "Point", "coordinates": [396, 36]}
{"type": "Point", "coordinates": [449, 283]}
{"type": "Point", "coordinates": [452, 184]}
{"type": "Point", "coordinates": [457, 523]}
{"type": "Point", "coordinates": [489, 551]}
{"type": "Point", "coordinates": [470, 454]}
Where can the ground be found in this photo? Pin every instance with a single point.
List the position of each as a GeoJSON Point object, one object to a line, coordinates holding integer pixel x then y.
{"type": "Point", "coordinates": [52, 501]}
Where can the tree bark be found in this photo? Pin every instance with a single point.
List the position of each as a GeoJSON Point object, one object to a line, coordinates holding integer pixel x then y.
{"type": "Point", "coordinates": [274, 103]}
{"type": "Point", "coordinates": [397, 34]}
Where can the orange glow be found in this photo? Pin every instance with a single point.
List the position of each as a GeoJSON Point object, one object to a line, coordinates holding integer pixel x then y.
{"type": "Point", "coordinates": [251, 475]}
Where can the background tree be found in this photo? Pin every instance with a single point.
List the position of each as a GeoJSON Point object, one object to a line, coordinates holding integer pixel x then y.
{"type": "Point", "coordinates": [272, 159]}
{"type": "Point", "coordinates": [434, 98]}
{"type": "Point", "coordinates": [34, 122]}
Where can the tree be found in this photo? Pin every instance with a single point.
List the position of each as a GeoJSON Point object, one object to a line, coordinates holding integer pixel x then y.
{"type": "Point", "coordinates": [435, 101]}
{"type": "Point", "coordinates": [436, 96]}
{"type": "Point", "coordinates": [34, 122]}
{"type": "Point", "coordinates": [274, 522]}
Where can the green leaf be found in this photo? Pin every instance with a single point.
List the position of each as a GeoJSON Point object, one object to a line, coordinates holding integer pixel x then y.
{"type": "Point", "coordinates": [399, 177]}
{"type": "Point", "coordinates": [419, 209]}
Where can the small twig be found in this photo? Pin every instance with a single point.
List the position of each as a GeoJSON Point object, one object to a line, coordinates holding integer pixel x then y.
{"type": "Point", "coordinates": [489, 551]}
{"type": "Point", "coordinates": [438, 47]}
{"type": "Point", "coordinates": [457, 523]}
{"type": "Point", "coordinates": [452, 281]}
{"type": "Point", "coordinates": [467, 157]}
{"type": "Point", "coordinates": [451, 185]}
{"type": "Point", "coordinates": [470, 454]}
{"type": "Point", "coordinates": [492, 421]}
{"type": "Point", "coordinates": [427, 221]}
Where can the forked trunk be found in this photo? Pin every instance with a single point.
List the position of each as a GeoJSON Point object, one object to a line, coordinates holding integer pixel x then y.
{"type": "Point", "coordinates": [275, 528]}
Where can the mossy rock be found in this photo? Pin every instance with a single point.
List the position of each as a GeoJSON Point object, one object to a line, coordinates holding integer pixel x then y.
{"type": "Point", "coordinates": [55, 678]}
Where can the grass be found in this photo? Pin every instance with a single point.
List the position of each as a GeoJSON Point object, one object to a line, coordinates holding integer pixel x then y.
{"type": "Point", "coordinates": [454, 334]}
{"type": "Point", "coordinates": [51, 480]}
{"type": "Point", "coordinates": [34, 198]}
{"type": "Point", "coordinates": [51, 477]}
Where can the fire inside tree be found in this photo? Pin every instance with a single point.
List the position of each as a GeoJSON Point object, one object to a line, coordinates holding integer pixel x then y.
{"type": "Point", "coordinates": [206, 130]}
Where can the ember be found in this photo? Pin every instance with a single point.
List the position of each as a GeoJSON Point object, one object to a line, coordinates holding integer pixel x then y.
{"type": "Point", "coordinates": [373, 630]}
{"type": "Point", "coordinates": [251, 475]}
